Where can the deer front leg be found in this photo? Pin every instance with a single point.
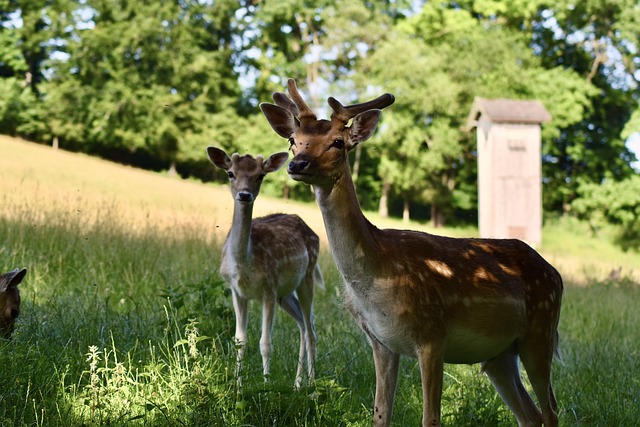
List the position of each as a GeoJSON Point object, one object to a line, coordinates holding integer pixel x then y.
{"type": "Point", "coordinates": [431, 361]}
{"type": "Point", "coordinates": [268, 316]}
{"type": "Point", "coordinates": [386, 363]}
{"type": "Point", "coordinates": [240, 308]}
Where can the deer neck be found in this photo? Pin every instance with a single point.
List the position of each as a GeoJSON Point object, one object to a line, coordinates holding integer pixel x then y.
{"type": "Point", "coordinates": [350, 234]}
{"type": "Point", "coordinates": [239, 239]}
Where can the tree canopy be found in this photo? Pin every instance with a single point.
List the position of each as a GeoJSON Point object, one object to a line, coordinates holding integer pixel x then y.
{"type": "Point", "coordinates": [153, 83]}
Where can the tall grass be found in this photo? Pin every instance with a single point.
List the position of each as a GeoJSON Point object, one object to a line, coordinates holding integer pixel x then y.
{"type": "Point", "coordinates": [125, 319]}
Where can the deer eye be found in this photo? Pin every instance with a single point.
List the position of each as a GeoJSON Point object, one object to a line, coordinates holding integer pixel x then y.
{"type": "Point", "coordinates": [338, 143]}
{"type": "Point", "coordinates": [230, 174]}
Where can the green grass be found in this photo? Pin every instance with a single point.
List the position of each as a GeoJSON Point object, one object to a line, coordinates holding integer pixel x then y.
{"type": "Point", "coordinates": [125, 319]}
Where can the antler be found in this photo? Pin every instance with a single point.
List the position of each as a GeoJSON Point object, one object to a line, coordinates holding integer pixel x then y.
{"type": "Point", "coordinates": [282, 100]}
{"type": "Point", "coordinates": [299, 108]}
{"type": "Point", "coordinates": [304, 110]}
{"type": "Point", "coordinates": [344, 114]}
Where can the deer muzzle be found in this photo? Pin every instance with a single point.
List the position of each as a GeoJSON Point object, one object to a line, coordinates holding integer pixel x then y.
{"type": "Point", "coordinates": [244, 197]}
{"type": "Point", "coordinates": [297, 166]}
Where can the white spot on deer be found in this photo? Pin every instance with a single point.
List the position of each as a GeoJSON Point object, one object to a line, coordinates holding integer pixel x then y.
{"type": "Point", "coordinates": [509, 270]}
{"type": "Point", "coordinates": [482, 274]}
{"type": "Point", "coordinates": [439, 267]}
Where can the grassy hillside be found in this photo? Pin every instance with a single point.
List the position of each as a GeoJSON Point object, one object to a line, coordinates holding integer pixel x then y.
{"type": "Point", "coordinates": [56, 181]}
{"type": "Point", "coordinates": [125, 319]}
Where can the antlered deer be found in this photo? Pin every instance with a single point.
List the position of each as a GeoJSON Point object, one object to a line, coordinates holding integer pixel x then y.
{"type": "Point", "coordinates": [270, 259]}
{"type": "Point", "coordinates": [442, 300]}
{"type": "Point", "coordinates": [10, 300]}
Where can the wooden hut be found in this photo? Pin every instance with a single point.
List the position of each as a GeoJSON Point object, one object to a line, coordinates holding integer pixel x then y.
{"type": "Point", "coordinates": [509, 167]}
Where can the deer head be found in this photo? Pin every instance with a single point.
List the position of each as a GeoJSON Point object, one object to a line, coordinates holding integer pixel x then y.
{"type": "Point", "coordinates": [246, 173]}
{"type": "Point", "coordinates": [10, 300]}
{"type": "Point", "coordinates": [320, 147]}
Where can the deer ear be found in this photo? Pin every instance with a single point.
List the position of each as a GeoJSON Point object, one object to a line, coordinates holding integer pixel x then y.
{"type": "Point", "coordinates": [363, 126]}
{"type": "Point", "coordinates": [283, 122]}
{"type": "Point", "coordinates": [275, 162]}
{"type": "Point", "coordinates": [11, 279]}
{"type": "Point", "coordinates": [219, 158]}
{"type": "Point", "coordinates": [17, 279]}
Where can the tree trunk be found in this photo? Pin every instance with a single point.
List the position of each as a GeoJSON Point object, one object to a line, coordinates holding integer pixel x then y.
{"type": "Point", "coordinates": [405, 210]}
{"type": "Point", "coordinates": [383, 208]}
{"type": "Point", "coordinates": [286, 191]}
{"type": "Point", "coordinates": [54, 143]}
{"type": "Point", "coordinates": [437, 216]}
{"type": "Point", "coordinates": [172, 169]}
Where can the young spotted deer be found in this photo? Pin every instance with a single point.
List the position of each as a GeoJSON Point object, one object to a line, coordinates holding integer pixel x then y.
{"type": "Point", "coordinates": [270, 259]}
{"type": "Point", "coordinates": [10, 300]}
{"type": "Point", "coordinates": [442, 300]}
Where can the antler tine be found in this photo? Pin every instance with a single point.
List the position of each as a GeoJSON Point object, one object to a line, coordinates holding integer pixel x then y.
{"type": "Point", "coordinates": [305, 111]}
{"type": "Point", "coordinates": [342, 113]}
{"type": "Point", "coordinates": [282, 100]}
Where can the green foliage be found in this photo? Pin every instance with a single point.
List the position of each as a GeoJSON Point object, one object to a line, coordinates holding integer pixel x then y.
{"type": "Point", "coordinates": [613, 202]}
{"type": "Point", "coordinates": [456, 57]}
{"type": "Point", "coordinates": [597, 40]}
{"type": "Point", "coordinates": [158, 87]}
{"type": "Point", "coordinates": [11, 60]}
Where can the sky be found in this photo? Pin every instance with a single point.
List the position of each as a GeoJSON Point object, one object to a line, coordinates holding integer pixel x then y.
{"type": "Point", "coordinates": [633, 143]}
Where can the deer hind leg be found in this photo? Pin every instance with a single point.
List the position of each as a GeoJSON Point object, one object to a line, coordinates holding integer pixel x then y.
{"type": "Point", "coordinates": [503, 372]}
{"type": "Point", "coordinates": [241, 310]}
{"type": "Point", "coordinates": [305, 296]}
{"type": "Point", "coordinates": [536, 354]}
{"type": "Point", "coordinates": [291, 306]}
{"type": "Point", "coordinates": [268, 316]}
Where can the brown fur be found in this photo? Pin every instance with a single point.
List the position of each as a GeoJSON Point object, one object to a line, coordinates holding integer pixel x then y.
{"type": "Point", "coordinates": [273, 259]}
{"type": "Point", "coordinates": [442, 300]}
{"type": "Point", "coordinates": [10, 300]}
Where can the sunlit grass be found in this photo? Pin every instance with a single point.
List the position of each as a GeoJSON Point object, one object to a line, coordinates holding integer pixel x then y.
{"type": "Point", "coordinates": [125, 319]}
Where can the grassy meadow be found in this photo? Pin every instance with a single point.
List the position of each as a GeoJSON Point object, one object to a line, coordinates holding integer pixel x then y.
{"type": "Point", "coordinates": [125, 319]}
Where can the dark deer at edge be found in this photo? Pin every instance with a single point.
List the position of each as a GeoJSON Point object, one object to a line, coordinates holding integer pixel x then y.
{"type": "Point", "coordinates": [10, 300]}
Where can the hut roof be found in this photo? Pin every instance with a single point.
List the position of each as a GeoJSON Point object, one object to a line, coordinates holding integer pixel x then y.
{"type": "Point", "coordinates": [507, 111]}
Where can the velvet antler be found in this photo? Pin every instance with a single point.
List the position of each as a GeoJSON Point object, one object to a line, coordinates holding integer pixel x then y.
{"type": "Point", "coordinates": [344, 114]}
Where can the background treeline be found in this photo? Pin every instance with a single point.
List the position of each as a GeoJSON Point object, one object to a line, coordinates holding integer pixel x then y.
{"type": "Point", "coordinates": [151, 83]}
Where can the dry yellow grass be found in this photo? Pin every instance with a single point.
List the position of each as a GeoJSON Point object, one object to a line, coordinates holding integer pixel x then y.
{"type": "Point", "coordinates": [47, 182]}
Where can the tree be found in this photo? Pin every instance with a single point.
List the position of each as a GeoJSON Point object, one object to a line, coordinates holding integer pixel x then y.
{"type": "Point", "coordinates": [29, 33]}
{"type": "Point", "coordinates": [154, 89]}
{"type": "Point", "coordinates": [453, 58]}
{"type": "Point", "coordinates": [12, 82]}
{"type": "Point", "coordinates": [598, 40]}
{"type": "Point", "coordinates": [613, 202]}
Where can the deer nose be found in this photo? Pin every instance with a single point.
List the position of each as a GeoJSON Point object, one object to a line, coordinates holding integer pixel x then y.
{"type": "Point", "coordinates": [244, 196]}
{"type": "Point", "coordinates": [297, 166]}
